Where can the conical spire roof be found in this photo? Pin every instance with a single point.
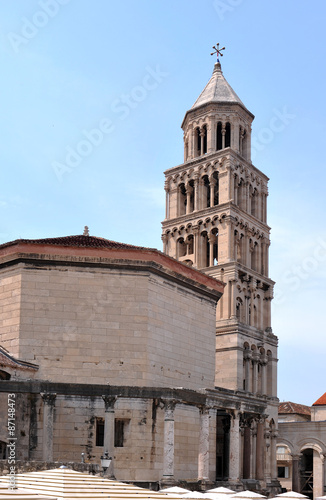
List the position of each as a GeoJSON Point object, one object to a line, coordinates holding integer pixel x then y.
{"type": "Point", "coordinates": [218, 91]}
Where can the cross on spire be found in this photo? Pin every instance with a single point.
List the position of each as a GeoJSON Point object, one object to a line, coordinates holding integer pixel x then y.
{"type": "Point", "coordinates": [217, 51]}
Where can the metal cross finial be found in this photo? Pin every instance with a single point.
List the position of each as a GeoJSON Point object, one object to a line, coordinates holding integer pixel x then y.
{"type": "Point", "coordinates": [217, 51]}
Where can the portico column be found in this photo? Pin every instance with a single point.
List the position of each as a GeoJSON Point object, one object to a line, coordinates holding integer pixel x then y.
{"type": "Point", "coordinates": [267, 437]}
{"type": "Point", "coordinates": [234, 458]}
{"type": "Point", "coordinates": [246, 451]}
{"type": "Point", "coordinates": [295, 473]}
{"type": "Point", "coordinates": [273, 455]}
{"type": "Point", "coordinates": [203, 456]}
{"type": "Point", "coordinates": [260, 450]}
{"type": "Point", "coordinates": [168, 451]}
{"type": "Point", "coordinates": [253, 448]}
{"type": "Point", "coordinates": [48, 411]}
{"type": "Point", "coordinates": [108, 447]}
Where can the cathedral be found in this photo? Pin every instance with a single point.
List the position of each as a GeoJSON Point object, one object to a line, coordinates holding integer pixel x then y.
{"type": "Point", "coordinates": [164, 360]}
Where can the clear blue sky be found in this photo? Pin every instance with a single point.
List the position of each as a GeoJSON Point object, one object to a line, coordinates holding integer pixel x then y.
{"type": "Point", "coordinates": [131, 69]}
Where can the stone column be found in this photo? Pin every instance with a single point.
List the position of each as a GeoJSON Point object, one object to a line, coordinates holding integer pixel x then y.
{"type": "Point", "coordinates": [233, 292]}
{"type": "Point", "coordinates": [188, 193]}
{"type": "Point", "coordinates": [234, 458]}
{"type": "Point", "coordinates": [212, 190]}
{"type": "Point", "coordinates": [109, 402]}
{"type": "Point", "coordinates": [196, 192]}
{"type": "Point", "coordinates": [167, 201]}
{"type": "Point", "coordinates": [168, 451]}
{"type": "Point", "coordinates": [202, 135]}
{"type": "Point", "coordinates": [230, 240]}
{"type": "Point", "coordinates": [263, 362]}
{"type": "Point", "coordinates": [211, 139]}
{"type": "Point", "coordinates": [253, 448]}
{"type": "Point", "coordinates": [267, 472]}
{"type": "Point", "coordinates": [165, 241]}
{"type": "Point", "coordinates": [203, 456]}
{"type": "Point", "coordinates": [274, 436]}
{"type": "Point", "coordinates": [246, 451]}
{"type": "Point", "coordinates": [247, 358]}
{"type": "Point", "coordinates": [196, 245]}
{"type": "Point", "coordinates": [211, 240]}
{"type": "Point", "coordinates": [295, 473]}
{"type": "Point", "coordinates": [260, 450]}
{"type": "Point", "coordinates": [223, 136]}
{"type": "Point", "coordinates": [255, 359]}
{"type": "Point", "coordinates": [48, 411]}
{"type": "Point", "coordinates": [231, 182]}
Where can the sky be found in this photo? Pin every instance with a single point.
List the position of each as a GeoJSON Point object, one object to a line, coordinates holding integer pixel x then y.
{"type": "Point", "coordinates": [92, 96]}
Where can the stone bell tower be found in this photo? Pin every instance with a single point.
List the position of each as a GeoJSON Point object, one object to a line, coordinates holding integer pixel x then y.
{"type": "Point", "coordinates": [216, 221]}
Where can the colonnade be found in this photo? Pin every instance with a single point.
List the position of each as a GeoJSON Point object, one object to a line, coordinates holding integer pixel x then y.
{"type": "Point", "coordinates": [251, 448]}
{"type": "Point", "coordinates": [214, 135]}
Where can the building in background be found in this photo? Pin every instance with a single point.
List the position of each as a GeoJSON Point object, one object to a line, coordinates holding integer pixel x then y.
{"type": "Point", "coordinates": [301, 447]}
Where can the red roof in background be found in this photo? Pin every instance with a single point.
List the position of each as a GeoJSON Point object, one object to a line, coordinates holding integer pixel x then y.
{"type": "Point", "coordinates": [321, 401]}
{"type": "Point", "coordinates": [289, 407]}
{"type": "Point", "coordinates": [76, 241]}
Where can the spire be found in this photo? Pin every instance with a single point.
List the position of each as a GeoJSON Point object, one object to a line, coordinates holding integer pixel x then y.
{"type": "Point", "coordinates": [217, 90]}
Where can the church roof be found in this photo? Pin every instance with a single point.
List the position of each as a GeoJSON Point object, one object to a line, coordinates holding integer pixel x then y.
{"type": "Point", "coordinates": [289, 407]}
{"type": "Point", "coordinates": [92, 250]}
{"type": "Point", "coordinates": [321, 401]}
{"type": "Point", "coordinates": [75, 241]}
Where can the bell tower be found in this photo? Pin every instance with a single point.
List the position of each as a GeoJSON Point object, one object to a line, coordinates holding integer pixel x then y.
{"type": "Point", "coordinates": [216, 221]}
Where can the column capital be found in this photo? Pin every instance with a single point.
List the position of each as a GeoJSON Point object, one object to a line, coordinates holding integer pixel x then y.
{"type": "Point", "coordinates": [49, 398]}
{"type": "Point", "coordinates": [169, 405]}
{"type": "Point", "coordinates": [109, 402]}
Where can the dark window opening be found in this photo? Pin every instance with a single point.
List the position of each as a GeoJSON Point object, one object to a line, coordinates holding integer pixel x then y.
{"type": "Point", "coordinates": [4, 375]}
{"type": "Point", "coordinates": [283, 472]}
{"type": "Point", "coordinates": [227, 135]}
{"type": "Point", "coordinates": [119, 432]}
{"type": "Point", "coordinates": [219, 136]}
{"type": "Point", "coordinates": [205, 139]}
{"type": "Point", "coordinates": [99, 432]}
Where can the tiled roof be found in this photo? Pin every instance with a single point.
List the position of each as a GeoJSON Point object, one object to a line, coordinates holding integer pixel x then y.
{"type": "Point", "coordinates": [217, 90]}
{"type": "Point", "coordinates": [289, 407]}
{"type": "Point", "coordinates": [321, 401]}
{"type": "Point", "coordinates": [76, 241]}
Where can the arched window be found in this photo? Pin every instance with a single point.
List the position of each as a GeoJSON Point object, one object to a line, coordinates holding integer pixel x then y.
{"type": "Point", "coordinates": [181, 248]}
{"type": "Point", "coordinates": [206, 192]}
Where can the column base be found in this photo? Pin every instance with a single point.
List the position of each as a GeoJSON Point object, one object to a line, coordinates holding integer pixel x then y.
{"type": "Point", "coordinates": [205, 484]}
{"type": "Point", "coordinates": [167, 482]}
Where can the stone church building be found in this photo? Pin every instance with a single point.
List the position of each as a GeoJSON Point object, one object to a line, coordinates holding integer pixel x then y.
{"type": "Point", "coordinates": [167, 361]}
